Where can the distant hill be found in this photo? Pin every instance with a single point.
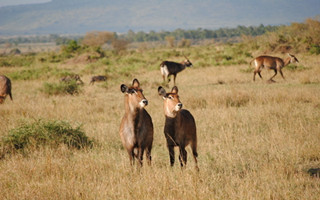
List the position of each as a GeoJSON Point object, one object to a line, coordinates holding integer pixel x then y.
{"type": "Point", "coordinates": [81, 16]}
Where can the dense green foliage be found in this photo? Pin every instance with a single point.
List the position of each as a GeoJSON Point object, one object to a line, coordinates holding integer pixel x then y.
{"type": "Point", "coordinates": [30, 136]}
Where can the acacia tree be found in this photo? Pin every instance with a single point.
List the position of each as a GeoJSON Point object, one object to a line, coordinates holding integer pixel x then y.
{"type": "Point", "coordinates": [97, 38]}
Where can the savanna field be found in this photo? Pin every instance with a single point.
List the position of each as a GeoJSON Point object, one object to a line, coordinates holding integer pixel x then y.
{"type": "Point", "coordinates": [256, 140]}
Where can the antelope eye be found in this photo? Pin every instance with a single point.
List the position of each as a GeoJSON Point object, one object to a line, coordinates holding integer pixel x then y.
{"type": "Point", "coordinates": [132, 91]}
{"type": "Point", "coordinates": [170, 97]}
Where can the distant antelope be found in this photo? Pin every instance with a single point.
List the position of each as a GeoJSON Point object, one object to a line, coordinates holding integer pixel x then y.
{"type": "Point", "coordinates": [70, 78]}
{"type": "Point", "coordinates": [136, 129]}
{"type": "Point", "coordinates": [168, 68]}
{"type": "Point", "coordinates": [97, 79]}
{"type": "Point", "coordinates": [5, 88]}
{"type": "Point", "coordinates": [270, 62]}
{"type": "Point", "coordinates": [180, 127]}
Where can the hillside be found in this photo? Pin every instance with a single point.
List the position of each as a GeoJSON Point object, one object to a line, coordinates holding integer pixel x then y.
{"type": "Point", "coordinates": [81, 16]}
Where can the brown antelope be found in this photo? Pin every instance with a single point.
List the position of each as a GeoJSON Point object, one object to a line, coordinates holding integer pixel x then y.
{"type": "Point", "coordinates": [136, 129]}
{"type": "Point", "coordinates": [5, 88]}
{"type": "Point", "coordinates": [97, 79]}
{"type": "Point", "coordinates": [180, 127]}
{"type": "Point", "coordinates": [273, 63]}
{"type": "Point", "coordinates": [168, 68]}
{"type": "Point", "coordinates": [70, 78]}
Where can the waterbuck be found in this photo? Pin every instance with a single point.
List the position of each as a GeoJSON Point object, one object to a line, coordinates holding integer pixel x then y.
{"type": "Point", "coordinates": [136, 129]}
{"type": "Point", "coordinates": [273, 63]}
{"type": "Point", "coordinates": [180, 127]}
{"type": "Point", "coordinates": [97, 79]}
{"type": "Point", "coordinates": [168, 68]}
{"type": "Point", "coordinates": [5, 88]}
{"type": "Point", "coordinates": [70, 78]}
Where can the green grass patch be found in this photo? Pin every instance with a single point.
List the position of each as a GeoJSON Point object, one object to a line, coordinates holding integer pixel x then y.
{"type": "Point", "coordinates": [30, 74]}
{"type": "Point", "coordinates": [292, 67]}
{"type": "Point", "coordinates": [32, 136]}
{"type": "Point", "coordinates": [17, 60]}
{"type": "Point", "coordinates": [38, 73]}
{"type": "Point", "coordinates": [61, 88]}
{"type": "Point", "coordinates": [315, 49]}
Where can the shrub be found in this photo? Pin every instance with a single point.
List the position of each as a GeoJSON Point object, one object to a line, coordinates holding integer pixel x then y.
{"type": "Point", "coordinates": [72, 47]}
{"type": "Point", "coordinates": [184, 43]}
{"type": "Point", "coordinates": [15, 51]}
{"type": "Point", "coordinates": [61, 88]}
{"type": "Point", "coordinates": [120, 45]}
{"type": "Point", "coordinates": [170, 40]}
{"type": "Point", "coordinates": [97, 38]}
{"type": "Point", "coordinates": [315, 49]}
{"type": "Point", "coordinates": [32, 136]}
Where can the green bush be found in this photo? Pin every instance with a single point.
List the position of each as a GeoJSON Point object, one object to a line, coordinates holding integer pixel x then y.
{"type": "Point", "coordinates": [61, 88]}
{"type": "Point", "coordinates": [315, 49]}
{"type": "Point", "coordinates": [32, 136]}
{"type": "Point", "coordinates": [72, 47]}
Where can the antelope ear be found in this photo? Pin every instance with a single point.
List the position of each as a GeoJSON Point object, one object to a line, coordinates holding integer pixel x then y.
{"type": "Point", "coordinates": [175, 90]}
{"type": "Point", "coordinates": [161, 91]}
{"type": "Point", "coordinates": [135, 83]}
{"type": "Point", "coordinates": [124, 88]}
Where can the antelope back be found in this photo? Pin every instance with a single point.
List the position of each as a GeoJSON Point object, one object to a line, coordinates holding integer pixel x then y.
{"type": "Point", "coordinates": [171, 101]}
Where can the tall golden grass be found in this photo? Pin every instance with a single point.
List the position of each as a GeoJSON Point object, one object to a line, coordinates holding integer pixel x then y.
{"type": "Point", "coordinates": [255, 140]}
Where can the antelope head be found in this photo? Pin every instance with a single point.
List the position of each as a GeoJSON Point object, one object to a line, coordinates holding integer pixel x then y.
{"type": "Point", "coordinates": [172, 103]}
{"type": "Point", "coordinates": [134, 95]}
{"type": "Point", "coordinates": [187, 62]}
{"type": "Point", "coordinates": [293, 59]}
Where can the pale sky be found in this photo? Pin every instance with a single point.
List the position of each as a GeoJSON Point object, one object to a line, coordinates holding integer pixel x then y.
{"type": "Point", "coordinates": [18, 2]}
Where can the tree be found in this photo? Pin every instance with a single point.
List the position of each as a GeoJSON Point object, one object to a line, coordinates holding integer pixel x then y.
{"type": "Point", "coordinates": [170, 41]}
{"type": "Point", "coordinates": [97, 38]}
{"type": "Point", "coordinates": [120, 45]}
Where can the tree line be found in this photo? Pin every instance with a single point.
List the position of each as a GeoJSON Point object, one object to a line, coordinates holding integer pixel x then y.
{"type": "Point", "coordinates": [141, 36]}
{"type": "Point", "coordinates": [199, 34]}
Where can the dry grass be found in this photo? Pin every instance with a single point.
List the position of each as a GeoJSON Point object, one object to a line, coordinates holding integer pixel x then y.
{"type": "Point", "coordinates": [256, 140]}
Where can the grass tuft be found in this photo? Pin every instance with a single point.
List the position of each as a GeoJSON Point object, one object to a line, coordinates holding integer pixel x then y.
{"type": "Point", "coordinates": [292, 67]}
{"type": "Point", "coordinates": [61, 88]}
